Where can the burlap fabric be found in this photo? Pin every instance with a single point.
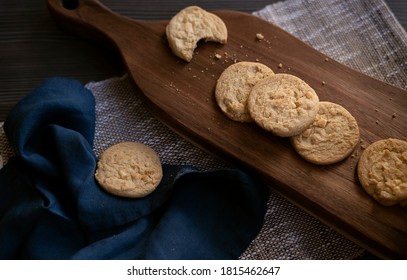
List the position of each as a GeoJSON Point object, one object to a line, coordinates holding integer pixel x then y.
{"type": "Point", "coordinates": [363, 34]}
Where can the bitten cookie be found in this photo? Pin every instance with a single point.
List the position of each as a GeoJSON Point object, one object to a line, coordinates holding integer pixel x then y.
{"type": "Point", "coordinates": [283, 104]}
{"type": "Point", "coordinates": [330, 138]}
{"type": "Point", "coordinates": [382, 171]}
{"type": "Point", "coordinates": [129, 169]}
{"type": "Point", "coordinates": [234, 85]}
{"type": "Point", "coordinates": [191, 25]}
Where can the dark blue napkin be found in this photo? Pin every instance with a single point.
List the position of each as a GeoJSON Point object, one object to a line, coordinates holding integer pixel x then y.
{"type": "Point", "coordinates": [51, 207]}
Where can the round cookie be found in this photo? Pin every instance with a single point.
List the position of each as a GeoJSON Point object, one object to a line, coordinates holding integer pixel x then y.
{"type": "Point", "coordinates": [330, 138]}
{"type": "Point", "coordinates": [234, 85]}
{"type": "Point", "coordinates": [283, 104]}
{"type": "Point", "coordinates": [382, 171]}
{"type": "Point", "coordinates": [129, 169]}
{"type": "Point", "coordinates": [189, 26]}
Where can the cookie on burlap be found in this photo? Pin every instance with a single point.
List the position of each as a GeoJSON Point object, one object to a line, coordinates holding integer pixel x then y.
{"type": "Point", "coordinates": [382, 171]}
{"type": "Point", "coordinates": [129, 169]}
{"type": "Point", "coordinates": [234, 85]}
{"type": "Point", "coordinates": [189, 26]}
{"type": "Point", "coordinates": [283, 104]}
{"type": "Point", "coordinates": [331, 138]}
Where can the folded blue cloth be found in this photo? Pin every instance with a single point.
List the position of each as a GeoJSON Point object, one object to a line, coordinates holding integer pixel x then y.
{"type": "Point", "coordinates": [51, 207]}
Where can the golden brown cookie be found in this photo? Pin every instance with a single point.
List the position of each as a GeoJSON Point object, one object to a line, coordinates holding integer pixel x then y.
{"type": "Point", "coordinates": [129, 169]}
{"type": "Point", "coordinates": [283, 104]}
{"type": "Point", "coordinates": [234, 85]}
{"type": "Point", "coordinates": [330, 138]}
{"type": "Point", "coordinates": [382, 171]}
{"type": "Point", "coordinates": [189, 26]}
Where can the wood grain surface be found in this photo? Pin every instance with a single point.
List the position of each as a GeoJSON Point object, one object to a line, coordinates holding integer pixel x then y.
{"type": "Point", "coordinates": [182, 96]}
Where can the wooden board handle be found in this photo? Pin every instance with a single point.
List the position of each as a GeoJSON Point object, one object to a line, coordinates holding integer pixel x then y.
{"type": "Point", "coordinates": [89, 19]}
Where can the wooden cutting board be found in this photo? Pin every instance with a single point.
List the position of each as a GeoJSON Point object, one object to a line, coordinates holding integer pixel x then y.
{"type": "Point", "coordinates": [181, 95]}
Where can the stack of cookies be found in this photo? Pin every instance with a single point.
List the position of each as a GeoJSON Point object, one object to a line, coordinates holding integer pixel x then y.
{"type": "Point", "coordinates": [321, 132]}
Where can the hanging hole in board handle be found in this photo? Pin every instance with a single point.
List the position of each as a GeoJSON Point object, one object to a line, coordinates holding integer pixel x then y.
{"type": "Point", "coordinates": [70, 4]}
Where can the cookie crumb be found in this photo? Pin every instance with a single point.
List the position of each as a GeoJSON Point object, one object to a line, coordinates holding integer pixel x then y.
{"type": "Point", "coordinates": [326, 59]}
{"type": "Point", "coordinates": [394, 115]}
{"type": "Point", "coordinates": [323, 83]}
{"type": "Point", "coordinates": [218, 56]}
{"type": "Point", "coordinates": [280, 65]}
{"type": "Point", "coordinates": [259, 36]}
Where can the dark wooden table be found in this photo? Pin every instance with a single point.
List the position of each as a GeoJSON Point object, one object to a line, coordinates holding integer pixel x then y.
{"type": "Point", "coordinates": [33, 48]}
